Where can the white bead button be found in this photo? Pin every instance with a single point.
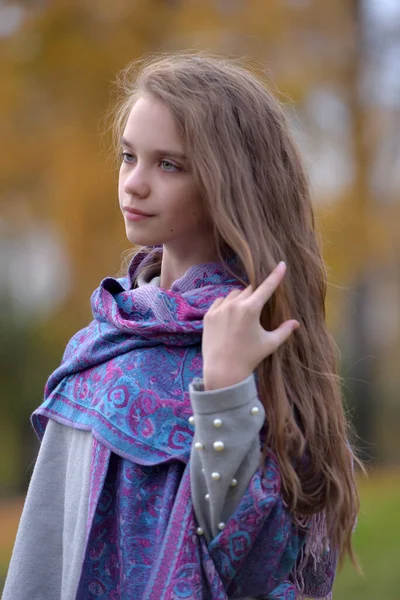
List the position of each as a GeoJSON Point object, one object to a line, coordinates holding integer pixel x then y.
{"type": "Point", "coordinates": [233, 482]}
{"type": "Point", "coordinates": [191, 420]}
{"type": "Point", "coordinates": [207, 496]}
{"type": "Point", "coordinates": [215, 476]}
{"type": "Point", "coordinates": [255, 410]}
{"type": "Point", "coordinates": [199, 531]}
{"type": "Point", "coordinates": [221, 525]}
{"type": "Point", "coordinates": [217, 423]}
{"type": "Point", "coordinates": [199, 446]}
{"type": "Point", "coordinates": [218, 446]}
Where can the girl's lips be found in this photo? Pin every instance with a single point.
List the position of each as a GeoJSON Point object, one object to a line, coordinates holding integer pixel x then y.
{"type": "Point", "coordinates": [135, 217]}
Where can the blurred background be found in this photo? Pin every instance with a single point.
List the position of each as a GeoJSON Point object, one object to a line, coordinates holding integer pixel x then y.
{"type": "Point", "coordinates": [336, 67]}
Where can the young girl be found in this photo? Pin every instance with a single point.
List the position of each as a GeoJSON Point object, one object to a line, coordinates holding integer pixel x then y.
{"type": "Point", "coordinates": [194, 443]}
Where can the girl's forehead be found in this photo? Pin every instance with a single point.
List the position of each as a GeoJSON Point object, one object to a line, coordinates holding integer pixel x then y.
{"type": "Point", "coordinates": [151, 121]}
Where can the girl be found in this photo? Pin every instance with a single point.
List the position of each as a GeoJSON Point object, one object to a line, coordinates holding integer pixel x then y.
{"type": "Point", "coordinates": [194, 443]}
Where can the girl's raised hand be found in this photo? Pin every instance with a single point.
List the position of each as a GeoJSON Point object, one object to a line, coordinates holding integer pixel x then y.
{"type": "Point", "coordinates": [234, 341]}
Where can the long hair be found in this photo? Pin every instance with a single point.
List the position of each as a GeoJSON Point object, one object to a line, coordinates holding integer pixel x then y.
{"type": "Point", "coordinates": [257, 195]}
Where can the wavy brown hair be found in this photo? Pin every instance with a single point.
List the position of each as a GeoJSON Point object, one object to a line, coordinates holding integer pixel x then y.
{"type": "Point", "coordinates": [257, 195]}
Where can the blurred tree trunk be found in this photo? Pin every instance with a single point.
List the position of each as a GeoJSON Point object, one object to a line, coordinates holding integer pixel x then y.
{"type": "Point", "coordinates": [361, 361]}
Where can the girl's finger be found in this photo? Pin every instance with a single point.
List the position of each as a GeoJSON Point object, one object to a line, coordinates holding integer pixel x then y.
{"type": "Point", "coordinates": [246, 292]}
{"type": "Point", "coordinates": [216, 303]}
{"type": "Point", "coordinates": [221, 299]}
{"type": "Point", "coordinates": [267, 287]}
{"type": "Point", "coordinates": [233, 294]}
{"type": "Point", "coordinates": [276, 337]}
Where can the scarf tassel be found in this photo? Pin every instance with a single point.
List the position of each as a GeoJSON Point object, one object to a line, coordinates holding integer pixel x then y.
{"type": "Point", "coordinates": [311, 556]}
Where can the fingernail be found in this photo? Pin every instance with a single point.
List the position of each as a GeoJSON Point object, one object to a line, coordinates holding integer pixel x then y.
{"type": "Point", "coordinates": [296, 325]}
{"type": "Point", "coordinates": [281, 263]}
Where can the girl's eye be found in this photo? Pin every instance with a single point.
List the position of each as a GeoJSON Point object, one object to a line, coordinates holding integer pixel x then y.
{"type": "Point", "coordinates": [168, 166]}
{"type": "Point", "coordinates": [127, 158]}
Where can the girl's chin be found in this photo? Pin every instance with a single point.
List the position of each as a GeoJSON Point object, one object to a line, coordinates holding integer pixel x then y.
{"type": "Point", "coordinates": [141, 240]}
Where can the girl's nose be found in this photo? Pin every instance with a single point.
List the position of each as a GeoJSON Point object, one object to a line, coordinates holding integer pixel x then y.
{"type": "Point", "coordinates": [137, 183]}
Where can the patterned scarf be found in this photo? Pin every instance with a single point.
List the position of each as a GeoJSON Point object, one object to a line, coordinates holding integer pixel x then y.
{"type": "Point", "coordinates": [125, 377]}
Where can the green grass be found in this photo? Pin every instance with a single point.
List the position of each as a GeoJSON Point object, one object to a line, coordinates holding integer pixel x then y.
{"type": "Point", "coordinates": [376, 541]}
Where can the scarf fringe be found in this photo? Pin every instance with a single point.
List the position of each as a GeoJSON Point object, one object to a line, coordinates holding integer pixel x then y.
{"type": "Point", "coordinates": [317, 543]}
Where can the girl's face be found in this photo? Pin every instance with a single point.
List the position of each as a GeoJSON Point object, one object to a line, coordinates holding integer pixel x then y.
{"type": "Point", "coordinates": [155, 178]}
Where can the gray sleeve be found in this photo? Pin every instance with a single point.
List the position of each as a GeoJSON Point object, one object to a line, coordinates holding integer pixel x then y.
{"type": "Point", "coordinates": [225, 451]}
{"type": "Point", "coordinates": [48, 550]}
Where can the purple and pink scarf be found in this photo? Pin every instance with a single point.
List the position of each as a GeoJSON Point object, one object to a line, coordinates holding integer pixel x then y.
{"type": "Point", "coordinates": [125, 377]}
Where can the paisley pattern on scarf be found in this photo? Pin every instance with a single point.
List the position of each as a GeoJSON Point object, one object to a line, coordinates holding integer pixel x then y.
{"type": "Point", "coordinates": [124, 377]}
{"type": "Point", "coordinates": [126, 562]}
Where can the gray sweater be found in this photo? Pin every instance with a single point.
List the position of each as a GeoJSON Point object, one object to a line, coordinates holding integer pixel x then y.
{"type": "Point", "coordinates": [50, 544]}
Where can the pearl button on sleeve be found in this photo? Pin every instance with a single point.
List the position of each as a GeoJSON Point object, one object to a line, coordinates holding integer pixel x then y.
{"type": "Point", "coordinates": [218, 446]}
{"type": "Point", "coordinates": [225, 450]}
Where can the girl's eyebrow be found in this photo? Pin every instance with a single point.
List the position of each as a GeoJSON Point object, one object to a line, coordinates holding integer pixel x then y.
{"type": "Point", "coordinates": [171, 153]}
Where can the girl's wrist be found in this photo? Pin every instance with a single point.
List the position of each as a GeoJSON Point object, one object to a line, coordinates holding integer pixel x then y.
{"type": "Point", "coordinates": [222, 379]}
